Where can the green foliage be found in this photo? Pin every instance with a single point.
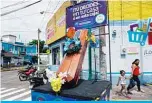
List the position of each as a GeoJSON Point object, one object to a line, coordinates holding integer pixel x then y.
{"type": "Point", "coordinates": [35, 42]}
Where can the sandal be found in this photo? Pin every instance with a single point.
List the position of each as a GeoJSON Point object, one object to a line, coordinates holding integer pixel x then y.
{"type": "Point", "coordinates": [141, 91]}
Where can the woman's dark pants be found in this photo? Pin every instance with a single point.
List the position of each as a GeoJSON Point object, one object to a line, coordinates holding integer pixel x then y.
{"type": "Point", "coordinates": [132, 84]}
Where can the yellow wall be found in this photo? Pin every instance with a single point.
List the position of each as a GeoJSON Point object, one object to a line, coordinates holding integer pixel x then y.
{"type": "Point", "coordinates": [60, 30]}
{"type": "Point", "coordinates": [130, 10]}
{"type": "Point", "coordinates": [51, 26]}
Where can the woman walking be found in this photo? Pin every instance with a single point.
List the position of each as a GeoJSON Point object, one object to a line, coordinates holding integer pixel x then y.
{"type": "Point", "coordinates": [134, 77]}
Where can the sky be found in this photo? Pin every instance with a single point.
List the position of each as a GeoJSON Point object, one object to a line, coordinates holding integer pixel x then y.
{"type": "Point", "coordinates": [25, 23]}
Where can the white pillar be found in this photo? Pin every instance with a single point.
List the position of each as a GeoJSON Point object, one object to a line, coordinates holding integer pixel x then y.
{"type": "Point", "coordinates": [61, 52]}
{"type": "Point", "coordinates": [39, 49]}
{"type": "Point", "coordinates": [50, 57]}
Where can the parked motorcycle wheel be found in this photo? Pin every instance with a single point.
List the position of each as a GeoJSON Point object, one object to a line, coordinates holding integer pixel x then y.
{"type": "Point", "coordinates": [22, 77]}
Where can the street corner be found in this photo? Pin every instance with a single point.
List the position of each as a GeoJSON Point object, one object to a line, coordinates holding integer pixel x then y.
{"type": "Point", "coordinates": [76, 50]}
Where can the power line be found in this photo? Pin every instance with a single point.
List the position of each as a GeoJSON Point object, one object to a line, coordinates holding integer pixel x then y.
{"type": "Point", "coordinates": [20, 8]}
{"type": "Point", "coordinates": [53, 10]}
{"type": "Point", "coordinates": [44, 13]}
{"type": "Point", "coordinates": [21, 2]}
{"type": "Point", "coordinates": [24, 23]}
{"type": "Point", "coordinates": [20, 16]}
{"type": "Point", "coordinates": [21, 31]}
{"type": "Point", "coordinates": [56, 6]}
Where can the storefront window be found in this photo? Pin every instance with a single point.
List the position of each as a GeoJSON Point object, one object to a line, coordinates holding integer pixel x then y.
{"type": "Point", "coordinates": [56, 56]}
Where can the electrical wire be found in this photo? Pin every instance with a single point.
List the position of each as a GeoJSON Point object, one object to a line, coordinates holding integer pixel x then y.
{"type": "Point", "coordinates": [56, 6]}
{"type": "Point", "coordinates": [24, 23]}
{"type": "Point", "coordinates": [45, 13]}
{"type": "Point", "coordinates": [18, 31]}
{"type": "Point", "coordinates": [53, 11]}
{"type": "Point", "coordinates": [23, 16]}
{"type": "Point", "coordinates": [9, 12]}
{"type": "Point", "coordinates": [18, 3]}
{"type": "Point", "coordinates": [21, 31]}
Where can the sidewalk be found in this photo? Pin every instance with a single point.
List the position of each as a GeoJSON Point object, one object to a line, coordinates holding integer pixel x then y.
{"type": "Point", "coordinates": [146, 96]}
{"type": "Point", "coordinates": [10, 69]}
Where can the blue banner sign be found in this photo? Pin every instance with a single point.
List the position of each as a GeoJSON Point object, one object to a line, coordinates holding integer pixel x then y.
{"type": "Point", "coordinates": [87, 14]}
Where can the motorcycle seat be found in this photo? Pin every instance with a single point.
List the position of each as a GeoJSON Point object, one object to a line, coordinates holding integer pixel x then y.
{"type": "Point", "coordinates": [23, 70]}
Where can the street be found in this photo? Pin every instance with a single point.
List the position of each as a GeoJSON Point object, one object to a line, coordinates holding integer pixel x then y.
{"type": "Point", "coordinates": [12, 88]}
{"type": "Point", "coordinates": [103, 40]}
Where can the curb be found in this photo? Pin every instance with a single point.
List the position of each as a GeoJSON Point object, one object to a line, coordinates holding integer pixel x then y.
{"type": "Point", "coordinates": [3, 70]}
{"type": "Point", "coordinates": [8, 70]}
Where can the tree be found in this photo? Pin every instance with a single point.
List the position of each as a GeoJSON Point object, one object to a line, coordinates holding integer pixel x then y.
{"type": "Point", "coordinates": [35, 42]}
{"type": "Point", "coordinates": [35, 59]}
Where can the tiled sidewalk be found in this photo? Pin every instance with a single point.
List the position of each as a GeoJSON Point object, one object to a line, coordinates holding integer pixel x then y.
{"type": "Point", "coordinates": [146, 96]}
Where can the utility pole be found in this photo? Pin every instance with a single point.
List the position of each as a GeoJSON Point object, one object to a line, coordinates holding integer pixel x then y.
{"type": "Point", "coordinates": [141, 48]}
{"type": "Point", "coordinates": [38, 47]}
{"type": "Point", "coordinates": [109, 43]}
{"type": "Point", "coordinates": [102, 55]}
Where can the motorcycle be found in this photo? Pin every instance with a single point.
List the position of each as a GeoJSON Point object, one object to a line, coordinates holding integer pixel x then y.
{"type": "Point", "coordinates": [39, 80]}
{"type": "Point", "coordinates": [35, 82]}
{"type": "Point", "coordinates": [26, 74]}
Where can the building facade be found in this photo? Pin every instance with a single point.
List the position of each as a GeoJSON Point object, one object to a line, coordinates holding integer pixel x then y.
{"type": "Point", "coordinates": [122, 15]}
{"type": "Point", "coordinates": [55, 34]}
{"type": "Point", "coordinates": [31, 53]}
{"type": "Point", "coordinates": [14, 53]}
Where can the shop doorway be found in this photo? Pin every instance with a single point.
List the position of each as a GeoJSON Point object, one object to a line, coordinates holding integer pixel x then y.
{"type": "Point", "coordinates": [6, 62]}
{"type": "Point", "coordinates": [56, 56]}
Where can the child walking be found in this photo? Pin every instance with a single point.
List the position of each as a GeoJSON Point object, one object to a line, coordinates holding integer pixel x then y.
{"type": "Point", "coordinates": [122, 82]}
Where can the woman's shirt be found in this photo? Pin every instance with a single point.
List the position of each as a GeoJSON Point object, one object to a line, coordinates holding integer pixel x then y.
{"type": "Point", "coordinates": [136, 71]}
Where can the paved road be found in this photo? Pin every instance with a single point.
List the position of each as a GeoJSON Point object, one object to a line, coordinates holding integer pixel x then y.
{"type": "Point", "coordinates": [12, 88]}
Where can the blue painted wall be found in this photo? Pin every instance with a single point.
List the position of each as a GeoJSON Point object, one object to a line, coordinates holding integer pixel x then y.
{"type": "Point", "coordinates": [31, 49]}
{"type": "Point", "coordinates": [19, 47]}
{"type": "Point", "coordinates": [7, 46]}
